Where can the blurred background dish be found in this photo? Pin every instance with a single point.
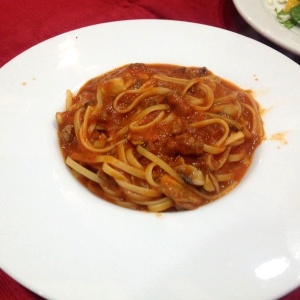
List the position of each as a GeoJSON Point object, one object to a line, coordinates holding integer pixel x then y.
{"type": "Point", "coordinates": [262, 17]}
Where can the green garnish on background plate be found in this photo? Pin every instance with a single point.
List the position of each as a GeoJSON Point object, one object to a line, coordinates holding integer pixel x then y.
{"type": "Point", "coordinates": [289, 19]}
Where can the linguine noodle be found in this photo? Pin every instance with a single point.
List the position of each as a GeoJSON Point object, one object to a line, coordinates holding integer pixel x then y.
{"type": "Point", "coordinates": [159, 137]}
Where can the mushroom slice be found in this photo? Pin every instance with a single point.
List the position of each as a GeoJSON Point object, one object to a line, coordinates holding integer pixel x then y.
{"type": "Point", "coordinates": [181, 194]}
{"type": "Point", "coordinates": [190, 174]}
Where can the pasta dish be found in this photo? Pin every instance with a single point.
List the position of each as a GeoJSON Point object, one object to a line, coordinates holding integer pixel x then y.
{"type": "Point", "coordinates": [159, 137]}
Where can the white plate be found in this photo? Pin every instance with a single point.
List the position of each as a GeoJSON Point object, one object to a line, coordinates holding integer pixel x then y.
{"type": "Point", "coordinates": [64, 243]}
{"type": "Point", "coordinates": [261, 16]}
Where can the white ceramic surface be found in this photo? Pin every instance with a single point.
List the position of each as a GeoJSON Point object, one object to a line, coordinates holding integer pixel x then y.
{"type": "Point", "coordinates": [262, 17]}
{"type": "Point", "coordinates": [62, 242]}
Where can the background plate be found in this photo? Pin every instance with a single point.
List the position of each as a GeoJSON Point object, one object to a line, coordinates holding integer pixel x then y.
{"type": "Point", "coordinates": [261, 17]}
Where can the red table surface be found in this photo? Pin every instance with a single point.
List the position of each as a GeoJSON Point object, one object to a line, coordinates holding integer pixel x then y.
{"type": "Point", "coordinates": [24, 24]}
